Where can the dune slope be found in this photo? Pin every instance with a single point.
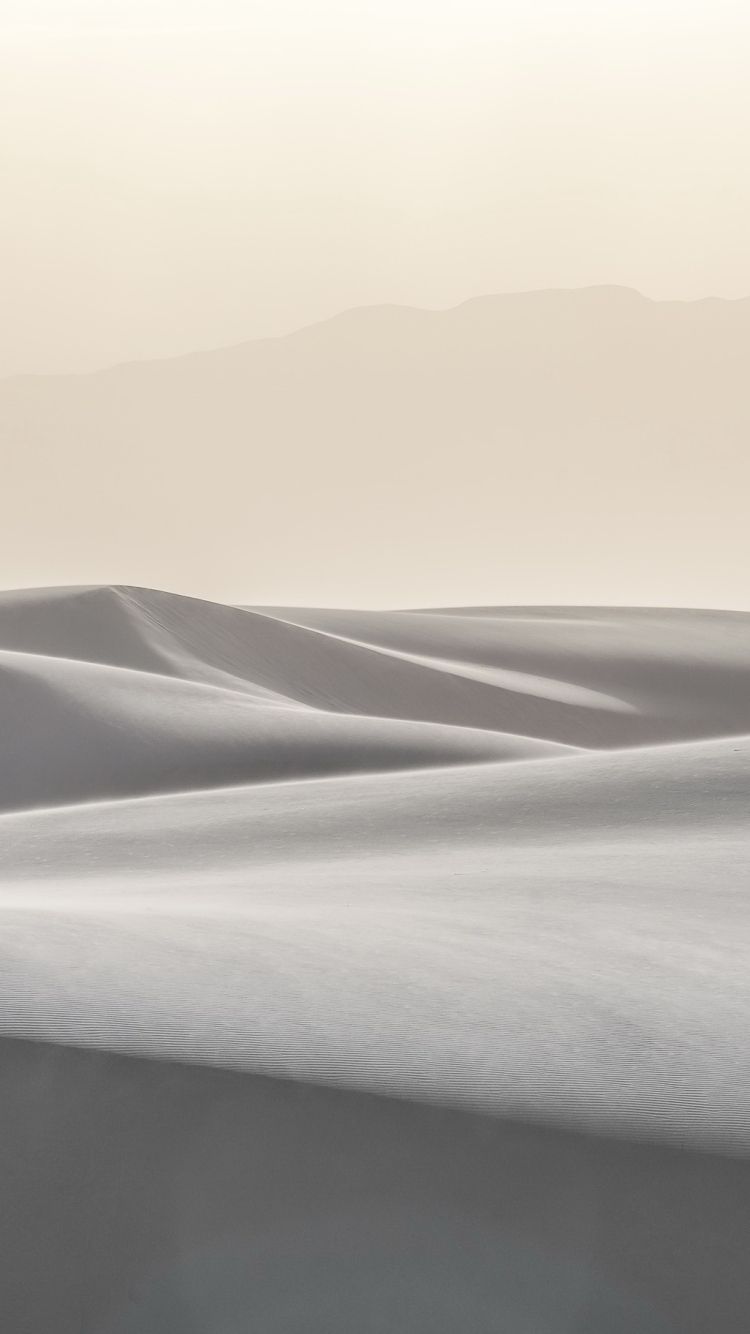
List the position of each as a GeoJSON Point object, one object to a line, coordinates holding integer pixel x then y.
{"type": "Point", "coordinates": [453, 900]}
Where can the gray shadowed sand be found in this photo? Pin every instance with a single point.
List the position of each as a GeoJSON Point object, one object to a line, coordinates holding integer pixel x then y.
{"type": "Point", "coordinates": [433, 926]}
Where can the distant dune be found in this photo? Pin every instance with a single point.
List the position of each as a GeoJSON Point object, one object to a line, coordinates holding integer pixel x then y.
{"type": "Point", "coordinates": [584, 445]}
{"type": "Point", "coordinates": [126, 691]}
{"type": "Point", "coordinates": [372, 970]}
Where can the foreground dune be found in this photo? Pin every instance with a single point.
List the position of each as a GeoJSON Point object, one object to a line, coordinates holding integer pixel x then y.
{"type": "Point", "coordinates": [433, 929]}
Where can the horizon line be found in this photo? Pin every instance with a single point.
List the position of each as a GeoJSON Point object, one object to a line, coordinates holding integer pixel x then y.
{"type": "Point", "coordinates": [343, 312]}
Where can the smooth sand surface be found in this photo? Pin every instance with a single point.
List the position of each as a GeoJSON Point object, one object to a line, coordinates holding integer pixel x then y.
{"type": "Point", "coordinates": [372, 971]}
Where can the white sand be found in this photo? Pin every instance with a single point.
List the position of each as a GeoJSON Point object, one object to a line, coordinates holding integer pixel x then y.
{"type": "Point", "coordinates": [455, 906]}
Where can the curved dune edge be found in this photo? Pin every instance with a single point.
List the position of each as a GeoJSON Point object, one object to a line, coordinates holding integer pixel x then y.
{"type": "Point", "coordinates": [247, 855]}
{"type": "Point", "coordinates": [76, 731]}
{"type": "Point", "coordinates": [225, 1194]}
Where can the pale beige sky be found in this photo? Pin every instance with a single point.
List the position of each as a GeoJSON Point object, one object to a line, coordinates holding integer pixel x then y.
{"type": "Point", "coordinates": [183, 174]}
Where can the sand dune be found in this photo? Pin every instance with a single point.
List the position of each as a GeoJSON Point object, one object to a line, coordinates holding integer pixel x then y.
{"type": "Point", "coordinates": [142, 1197]}
{"type": "Point", "coordinates": [433, 927]}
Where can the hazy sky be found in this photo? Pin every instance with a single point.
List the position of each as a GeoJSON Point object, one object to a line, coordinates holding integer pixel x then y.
{"type": "Point", "coordinates": [188, 173]}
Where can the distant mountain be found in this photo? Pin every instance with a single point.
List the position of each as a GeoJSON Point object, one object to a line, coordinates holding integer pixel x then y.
{"type": "Point", "coordinates": [563, 446]}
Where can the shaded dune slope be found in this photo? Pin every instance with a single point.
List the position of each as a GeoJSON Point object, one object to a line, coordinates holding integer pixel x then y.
{"type": "Point", "coordinates": [108, 692]}
{"type": "Point", "coordinates": [77, 732]}
{"type": "Point", "coordinates": [562, 941]}
{"type": "Point", "coordinates": [120, 691]}
{"type": "Point", "coordinates": [490, 857]}
{"type": "Point", "coordinates": [206, 1200]}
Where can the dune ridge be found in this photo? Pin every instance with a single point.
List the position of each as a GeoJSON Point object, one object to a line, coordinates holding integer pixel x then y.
{"type": "Point", "coordinates": [372, 970]}
{"type": "Point", "coordinates": [327, 795]}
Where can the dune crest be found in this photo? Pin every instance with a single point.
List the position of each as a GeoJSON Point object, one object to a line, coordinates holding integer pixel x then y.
{"type": "Point", "coordinates": [451, 809]}
{"type": "Point", "coordinates": [416, 939]}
